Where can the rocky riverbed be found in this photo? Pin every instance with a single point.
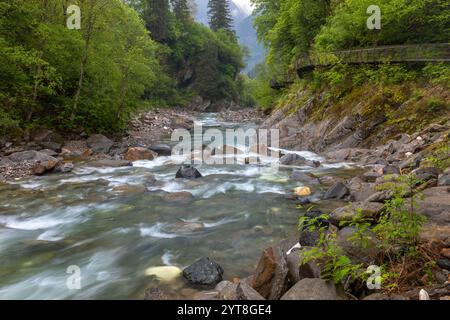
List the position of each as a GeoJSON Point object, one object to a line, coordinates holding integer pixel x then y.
{"type": "Point", "coordinates": [99, 179]}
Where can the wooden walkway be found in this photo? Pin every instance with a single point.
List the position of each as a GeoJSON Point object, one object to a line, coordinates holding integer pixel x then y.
{"type": "Point", "coordinates": [413, 53]}
{"type": "Point", "coordinates": [435, 52]}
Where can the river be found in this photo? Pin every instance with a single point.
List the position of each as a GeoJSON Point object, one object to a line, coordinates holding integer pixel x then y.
{"type": "Point", "coordinates": [113, 234]}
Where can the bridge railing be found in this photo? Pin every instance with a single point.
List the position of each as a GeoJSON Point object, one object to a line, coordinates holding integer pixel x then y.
{"type": "Point", "coordinates": [434, 52]}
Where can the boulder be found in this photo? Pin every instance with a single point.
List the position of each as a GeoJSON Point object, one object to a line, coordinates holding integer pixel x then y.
{"type": "Point", "coordinates": [186, 227]}
{"type": "Point", "coordinates": [445, 252]}
{"type": "Point", "coordinates": [188, 172]}
{"type": "Point", "coordinates": [42, 167]}
{"type": "Point", "coordinates": [427, 173]}
{"type": "Point", "coordinates": [443, 263]}
{"type": "Point", "coordinates": [312, 289]}
{"type": "Point", "coordinates": [110, 163]}
{"type": "Point", "coordinates": [29, 156]}
{"type": "Point", "coordinates": [368, 210]}
{"type": "Point", "coordinates": [355, 251]}
{"type": "Point", "coordinates": [65, 167]}
{"type": "Point", "coordinates": [432, 231]}
{"type": "Point", "coordinates": [302, 191]}
{"type": "Point", "coordinates": [204, 272]}
{"type": "Point", "coordinates": [371, 176]}
{"type": "Point", "coordinates": [136, 154]}
{"type": "Point", "coordinates": [292, 159]}
{"type": "Point", "coordinates": [227, 290]}
{"type": "Point", "coordinates": [444, 180]}
{"type": "Point", "coordinates": [299, 270]}
{"type": "Point", "coordinates": [49, 152]}
{"type": "Point", "coordinates": [55, 146]}
{"type": "Point", "coordinates": [99, 143]}
{"type": "Point", "coordinates": [336, 191]}
{"type": "Point", "coordinates": [271, 276]}
{"type": "Point", "coordinates": [330, 180]}
{"type": "Point", "coordinates": [161, 149]}
{"type": "Point", "coordinates": [435, 205]}
{"type": "Point", "coordinates": [130, 189]}
{"type": "Point", "coordinates": [360, 190]}
{"type": "Point", "coordinates": [247, 293]}
{"type": "Point", "coordinates": [164, 274]}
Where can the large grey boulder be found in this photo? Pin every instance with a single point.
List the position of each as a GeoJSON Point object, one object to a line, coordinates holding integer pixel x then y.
{"type": "Point", "coordinates": [337, 191]}
{"type": "Point", "coordinates": [368, 210]}
{"type": "Point", "coordinates": [204, 272]}
{"type": "Point", "coordinates": [99, 143]}
{"type": "Point", "coordinates": [30, 156]}
{"type": "Point", "coordinates": [312, 289]}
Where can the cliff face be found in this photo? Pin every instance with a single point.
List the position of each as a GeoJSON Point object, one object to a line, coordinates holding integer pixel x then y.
{"type": "Point", "coordinates": [363, 117]}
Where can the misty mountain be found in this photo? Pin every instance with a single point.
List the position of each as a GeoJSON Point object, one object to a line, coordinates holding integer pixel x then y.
{"type": "Point", "coordinates": [243, 24]}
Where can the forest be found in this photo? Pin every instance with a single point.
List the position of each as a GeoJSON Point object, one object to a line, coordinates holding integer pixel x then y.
{"type": "Point", "coordinates": [126, 56]}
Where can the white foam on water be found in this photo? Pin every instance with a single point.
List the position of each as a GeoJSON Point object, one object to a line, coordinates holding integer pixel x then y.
{"type": "Point", "coordinates": [156, 231]}
{"type": "Point", "coordinates": [167, 258]}
{"type": "Point", "coordinates": [50, 235]}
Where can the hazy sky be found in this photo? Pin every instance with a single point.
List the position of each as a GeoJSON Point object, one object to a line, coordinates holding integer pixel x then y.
{"type": "Point", "coordinates": [244, 4]}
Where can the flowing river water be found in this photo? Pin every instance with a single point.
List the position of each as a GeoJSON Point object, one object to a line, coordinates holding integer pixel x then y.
{"type": "Point", "coordinates": [114, 233]}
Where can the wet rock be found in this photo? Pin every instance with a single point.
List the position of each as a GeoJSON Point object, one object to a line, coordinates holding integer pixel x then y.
{"type": "Point", "coordinates": [302, 191]}
{"type": "Point", "coordinates": [368, 210]}
{"type": "Point", "coordinates": [247, 293]}
{"type": "Point", "coordinates": [164, 274]}
{"type": "Point", "coordinates": [330, 180]}
{"type": "Point", "coordinates": [130, 189]}
{"type": "Point", "coordinates": [308, 178]}
{"type": "Point", "coordinates": [227, 290]}
{"type": "Point", "coordinates": [188, 172]}
{"type": "Point", "coordinates": [444, 263]}
{"type": "Point", "coordinates": [99, 143]}
{"type": "Point", "coordinates": [337, 191]}
{"type": "Point", "coordinates": [182, 196]}
{"type": "Point", "coordinates": [271, 276]}
{"type": "Point", "coordinates": [64, 167]}
{"type": "Point", "coordinates": [292, 159]}
{"type": "Point", "coordinates": [444, 180]}
{"type": "Point", "coordinates": [154, 293]}
{"type": "Point", "coordinates": [38, 169]}
{"type": "Point", "coordinates": [312, 289]}
{"type": "Point", "coordinates": [110, 163]}
{"type": "Point", "coordinates": [187, 227]}
{"type": "Point", "coordinates": [162, 149]}
{"type": "Point", "coordinates": [204, 272]}
{"type": "Point", "coordinates": [136, 154]}
{"type": "Point", "coordinates": [41, 167]}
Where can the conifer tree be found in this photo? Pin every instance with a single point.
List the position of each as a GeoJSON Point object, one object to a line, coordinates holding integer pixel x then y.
{"type": "Point", "coordinates": [156, 16]}
{"type": "Point", "coordinates": [182, 10]}
{"type": "Point", "coordinates": [220, 15]}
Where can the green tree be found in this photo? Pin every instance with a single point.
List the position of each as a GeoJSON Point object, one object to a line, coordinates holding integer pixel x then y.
{"type": "Point", "coordinates": [157, 19]}
{"type": "Point", "coordinates": [220, 15]}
